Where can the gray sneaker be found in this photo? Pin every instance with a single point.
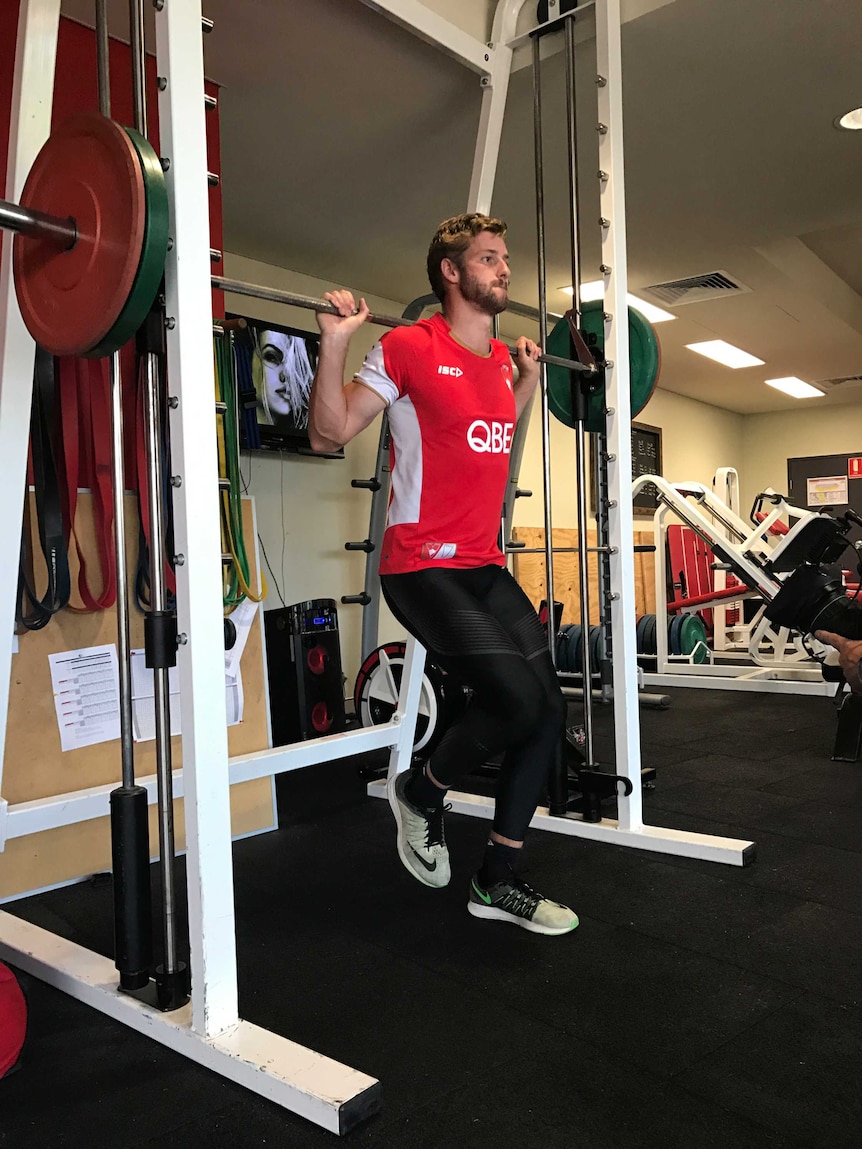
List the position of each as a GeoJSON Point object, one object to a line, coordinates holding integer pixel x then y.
{"type": "Point", "coordinates": [421, 840]}
{"type": "Point", "coordinates": [512, 900]}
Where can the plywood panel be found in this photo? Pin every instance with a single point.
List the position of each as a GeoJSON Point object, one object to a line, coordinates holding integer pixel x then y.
{"type": "Point", "coordinates": [36, 767]}
{"type": "Point", "coordinates": [54, 856]}
{"type": "Point", "coordinates": [529, 570]}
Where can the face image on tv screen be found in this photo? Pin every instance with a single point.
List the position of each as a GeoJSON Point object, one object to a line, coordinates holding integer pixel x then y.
{"type": "Point", "coordinates": [279, 362]}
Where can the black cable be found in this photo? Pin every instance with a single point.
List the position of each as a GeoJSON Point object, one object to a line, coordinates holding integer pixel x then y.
{"type": "Point", "coordinates": [269, 568]}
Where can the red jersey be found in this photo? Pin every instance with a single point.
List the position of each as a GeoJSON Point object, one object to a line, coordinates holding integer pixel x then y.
{"type": "Point", "coordinates": [452, 417]}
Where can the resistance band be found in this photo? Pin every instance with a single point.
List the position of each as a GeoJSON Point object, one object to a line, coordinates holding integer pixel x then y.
{"type": "Point", "coordinates": [237, 575]}
{"type": "Point", "coordinates": [49, 511]}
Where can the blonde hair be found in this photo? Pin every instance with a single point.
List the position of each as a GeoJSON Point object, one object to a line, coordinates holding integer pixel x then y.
{"type": "Point", "coordinates": [298, 371]}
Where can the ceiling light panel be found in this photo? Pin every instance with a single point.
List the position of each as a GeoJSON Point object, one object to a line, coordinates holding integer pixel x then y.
{"type": "Point", "coordinates": [850, 121]}
{"type": "Point", "coordinates": [725, 354]}
{"type": "Point", "coordinates": [794, 387]}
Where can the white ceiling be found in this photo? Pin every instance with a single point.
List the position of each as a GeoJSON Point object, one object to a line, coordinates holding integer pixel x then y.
{"type": "Point", "coordinates": [345, 140]}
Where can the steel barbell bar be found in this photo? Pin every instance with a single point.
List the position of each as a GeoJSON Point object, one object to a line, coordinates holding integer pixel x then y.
{"type": "Point", "coordinates": [275, 295]}
{"type": "Point", "coordinates": [64, 233]}
{"type": "Point", "coordinates": [38, 225]}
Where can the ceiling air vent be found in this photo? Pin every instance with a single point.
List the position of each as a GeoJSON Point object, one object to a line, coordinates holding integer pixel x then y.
{"type": "Point", "coordinates": [697, 289]}
{"type": "Point", "coordinates": [844, 382]}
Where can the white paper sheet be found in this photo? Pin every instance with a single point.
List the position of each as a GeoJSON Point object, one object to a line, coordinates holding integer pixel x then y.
{"type": "Point", "coordinates": [143, 694]}
{"type": "Point", "coordinates": [86, 687]}
{"type": "Point", "coordinates": [242, 618]}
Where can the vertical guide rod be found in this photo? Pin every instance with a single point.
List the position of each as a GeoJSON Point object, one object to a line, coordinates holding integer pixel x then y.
{"type": "Point", "coordinates": [158, 596]}
{"type": "Point", "coordinates": [160, 673]}
{"type": "Point", "coordinates": [130, 850]}
{"type": "Point", "coordinates": [543, 327]}
{"type": "Point", "coordinates": [139, 77]}
{"type": "Point", "coordinates": [117, 456]}
{"type": "Point", "coordinates": [102, 57]}
{"type": "Point", "coordinates": [580, 434]}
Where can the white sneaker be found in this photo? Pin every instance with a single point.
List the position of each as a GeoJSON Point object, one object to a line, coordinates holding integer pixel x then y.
{"type": "Point", "coordinates": [512, 900]}
{"type": "Point", "coordinates": [421, 840]}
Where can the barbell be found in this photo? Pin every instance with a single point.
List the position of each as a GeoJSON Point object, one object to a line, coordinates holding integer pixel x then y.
{"type": "Point", "coordinates": [92, 238]}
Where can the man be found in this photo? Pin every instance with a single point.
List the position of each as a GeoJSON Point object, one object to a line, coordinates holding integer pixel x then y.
{"type": "Point", "coordinates": [453, 403]}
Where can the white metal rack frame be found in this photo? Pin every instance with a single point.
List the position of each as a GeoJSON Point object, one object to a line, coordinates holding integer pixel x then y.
{"type": "Point", "coordinates": [209, 1030]}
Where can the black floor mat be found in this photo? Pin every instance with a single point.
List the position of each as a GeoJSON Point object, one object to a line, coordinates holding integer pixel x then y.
{"type": "Point", "coordinates": [696, 1005]}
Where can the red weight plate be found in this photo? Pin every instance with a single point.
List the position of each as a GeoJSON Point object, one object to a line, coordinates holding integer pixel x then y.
{"type": "Point", "coordinates": [89, 170]}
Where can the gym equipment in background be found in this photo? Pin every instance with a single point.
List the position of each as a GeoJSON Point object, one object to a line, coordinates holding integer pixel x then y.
{"type": "Point", "coordinates": [442, 699]}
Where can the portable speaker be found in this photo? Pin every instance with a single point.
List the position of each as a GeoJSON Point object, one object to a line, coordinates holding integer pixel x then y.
{"type": "Point", "coordinates": [303, 659]}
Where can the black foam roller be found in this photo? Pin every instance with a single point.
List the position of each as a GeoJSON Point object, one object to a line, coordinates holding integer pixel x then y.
{"type": "Point", "coordinates": [130, 851]}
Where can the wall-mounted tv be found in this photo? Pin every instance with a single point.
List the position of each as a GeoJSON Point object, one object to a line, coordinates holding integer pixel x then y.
{"type": "Point", "coordinates": [275, 367]}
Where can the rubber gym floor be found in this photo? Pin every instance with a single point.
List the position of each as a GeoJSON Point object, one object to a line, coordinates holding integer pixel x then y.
{"type": "Point", "coordinates": [697, 1005]}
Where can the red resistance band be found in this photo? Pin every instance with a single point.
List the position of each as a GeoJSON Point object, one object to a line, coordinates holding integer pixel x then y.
{"type": "Point", "coordinates": [84, 387]}
{"type": "Point", "coordinates": [85, 404]}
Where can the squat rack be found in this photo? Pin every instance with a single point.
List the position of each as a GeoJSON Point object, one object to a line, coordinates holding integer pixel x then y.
{"type": "Point", "coordinates": [208, 1029]}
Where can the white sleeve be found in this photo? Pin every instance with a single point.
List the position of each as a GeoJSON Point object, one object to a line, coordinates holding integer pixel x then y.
{"type": "Point", "coordinates": [374, 375]}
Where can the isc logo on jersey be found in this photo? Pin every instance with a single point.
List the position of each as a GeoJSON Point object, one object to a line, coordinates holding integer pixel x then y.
{"type": "Point", "coordinates": [490, 438]}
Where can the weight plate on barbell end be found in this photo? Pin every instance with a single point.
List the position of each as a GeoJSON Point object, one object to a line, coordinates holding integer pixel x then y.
{"type": "Point", "coordinates": [89, 170]}
{"type": "Point", "coordinates": [644, 365]}
{"type": "Point", "coordinates": [155, 249]}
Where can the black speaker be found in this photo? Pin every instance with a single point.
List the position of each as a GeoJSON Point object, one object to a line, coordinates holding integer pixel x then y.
{"type": "Point", "coordinates": [303, 661]}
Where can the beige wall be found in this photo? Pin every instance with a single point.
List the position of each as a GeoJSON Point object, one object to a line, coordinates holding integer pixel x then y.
{"type": "Point", "coordinates": [770, 440]}
{"type": "Point", "coordinates": [697, 439]}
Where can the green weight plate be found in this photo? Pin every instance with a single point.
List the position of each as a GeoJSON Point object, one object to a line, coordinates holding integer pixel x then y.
{"type": "Point", "coordinates": [644, 364]}
{"type": "Point", "coordinates": [152, 264]}
{"type": "Point", "coordinates": [692, 638]}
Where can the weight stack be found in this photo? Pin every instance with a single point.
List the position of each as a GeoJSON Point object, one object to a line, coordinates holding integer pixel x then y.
{"type": "Point", "coordinates": [303, 662]}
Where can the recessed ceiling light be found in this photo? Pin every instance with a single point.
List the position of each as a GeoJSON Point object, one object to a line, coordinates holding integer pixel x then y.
{"type": "Point", "coordinates": [649, 310]}
{"type": "Point", "coordinates": [590, 292]}
{"type": "Point", "coordinates": [595, 289]}
{"type": "Point", "coordinates": [795, 387]}
{"type": "Point", "coordinates": [725, 353]}
{"type": "Point", "coordinates": [850, 121]}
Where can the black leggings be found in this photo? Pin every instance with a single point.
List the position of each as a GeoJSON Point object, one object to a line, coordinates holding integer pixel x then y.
{"type": "Point", "coordinates": [479, 625]}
